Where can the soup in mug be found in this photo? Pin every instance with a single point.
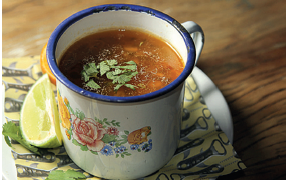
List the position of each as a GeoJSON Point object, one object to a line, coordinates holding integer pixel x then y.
{"type": "Point", "coordinates": [121, 62]}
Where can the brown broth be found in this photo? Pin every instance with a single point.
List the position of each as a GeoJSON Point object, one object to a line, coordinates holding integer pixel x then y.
{"type": "Point", "coordinates": [158, 64]}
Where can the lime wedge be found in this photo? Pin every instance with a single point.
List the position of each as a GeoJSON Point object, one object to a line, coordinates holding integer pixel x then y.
{"type": "Point", "coordinates": [39, 116]}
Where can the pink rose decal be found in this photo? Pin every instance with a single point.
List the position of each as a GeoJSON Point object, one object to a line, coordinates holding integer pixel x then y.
{"type": "Point", "coordinates": [88, 132]}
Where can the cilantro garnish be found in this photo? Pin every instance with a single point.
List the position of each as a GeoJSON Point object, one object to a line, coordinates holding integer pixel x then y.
{"type": "Point", "coordinates": [70, 174]}
{"type": "Point", "coordinates": [11, 130]}
{"type": "Point", "coordinates": [119, 74]}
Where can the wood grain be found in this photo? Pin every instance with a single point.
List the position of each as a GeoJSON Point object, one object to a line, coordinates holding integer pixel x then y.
{"type": "Point", "coordinates": [244, 55]}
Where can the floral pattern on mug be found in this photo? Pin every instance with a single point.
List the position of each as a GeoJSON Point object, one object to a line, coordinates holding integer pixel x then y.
{"type": "Point", "coordinates": [101, 136]}
{"type": "Point", "coordinates": [64, 112]}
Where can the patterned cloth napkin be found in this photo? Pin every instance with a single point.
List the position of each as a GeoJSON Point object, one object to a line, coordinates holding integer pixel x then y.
{"type": "Point", "coordinates": [204, 152]}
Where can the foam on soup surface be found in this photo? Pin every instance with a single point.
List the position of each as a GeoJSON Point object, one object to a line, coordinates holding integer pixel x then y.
{"type": "Point", "coordinates": [157, 63]}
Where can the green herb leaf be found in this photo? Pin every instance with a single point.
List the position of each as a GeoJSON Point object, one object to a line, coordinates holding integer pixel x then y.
{"type": "Point", "coordinates": [7, 140]}
{"type": "Point", "coordinates": [103, 67]}
{"type": "Point", "coordinates": [111, 62]}
{"type": "Point", "coordinates": [93, 66]}
{"type": "Point", "coordinates": [90, 69]}
{"type": "Point", "coordinates": [92, 84]}
{"type": "Point", "coordinates": [132, 66]}
{"type": "Point", "coordinates": [85, 76]}
{"type": "Point", "coordinates": [130, 86]}
{"type": "Point", "coordinates": [117, 71]}
{"type": "Point", "coordinates": [110, 75]}
{"type": "Point", "coordinates": [122, 79]}
{"type": "Point", "coordinates": [117, 87]}
{"type": "Point", "coordinates": [70, 174]}
{"type": "Point", "coordinates": [131, 62]}
{"type": "Point", "coordinates": [11, 130]}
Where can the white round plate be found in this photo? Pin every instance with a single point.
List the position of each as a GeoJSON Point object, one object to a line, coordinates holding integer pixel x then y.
{"type": "Point", "coordinates": [215, 102]}
{"type": "Point", "coordinates": [8, 164]}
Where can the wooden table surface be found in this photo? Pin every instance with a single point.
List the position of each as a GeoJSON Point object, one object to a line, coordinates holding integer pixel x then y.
{"type": "Point", "coordinates": [244, 55]}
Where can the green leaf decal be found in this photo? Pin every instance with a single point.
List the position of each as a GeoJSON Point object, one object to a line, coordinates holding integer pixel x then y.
{"type": "Point", "coordinates": [79, 114]}
{"type": "Point", "coordinates": [94, 152]}
{"type": "Point", "coordinates": [108, 138]}
{"type": "Point", "coordinates": [82, 147]}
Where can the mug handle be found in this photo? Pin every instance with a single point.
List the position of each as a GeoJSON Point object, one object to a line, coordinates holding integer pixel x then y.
{"type": "Point", "coordinates": [197, 35]}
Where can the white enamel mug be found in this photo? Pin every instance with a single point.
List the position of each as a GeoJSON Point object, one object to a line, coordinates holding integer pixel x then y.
{"type": "Point", "coordinates": [122, 137]}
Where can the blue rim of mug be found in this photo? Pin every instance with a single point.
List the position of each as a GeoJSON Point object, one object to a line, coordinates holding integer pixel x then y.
{"type": "Point", "coordinates": [60, 29]}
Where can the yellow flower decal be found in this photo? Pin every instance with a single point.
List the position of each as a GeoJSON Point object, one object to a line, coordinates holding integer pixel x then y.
{"type": "Point", "coordinates": [66, 101]}
{"type": "Point", "coordinates": [68, 135]}
{"type": "Point", "coordinates": [139, 136]}
{"type": "Point", "coordinates": [64, 112]}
